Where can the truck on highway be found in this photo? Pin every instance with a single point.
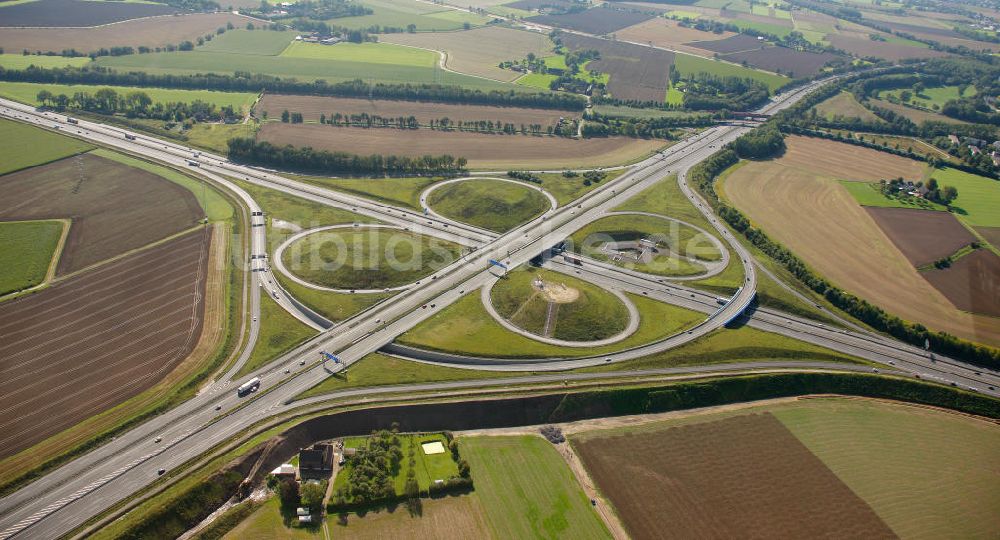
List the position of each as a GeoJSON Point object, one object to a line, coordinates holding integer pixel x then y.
{"type": "Point", "coordinates": [193, 163]}
{"type": "Point", "coordinates": [72, 120]}
{"type": "Point", "coordinates": [129, 136]}
{"type": "Point", "coordinates": [721, 301]}
{"type": "Point", "coordinates": [248, 387]}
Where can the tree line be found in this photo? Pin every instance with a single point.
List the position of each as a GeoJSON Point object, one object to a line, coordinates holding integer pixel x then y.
{"type": "Point", "coordinates": [248, 150]}
{"type": "Point", "coordinates": [136, 104]}
{"type": "Point", "coordinates": [703, 176]}
{"type": "Point", "coordinates": [241, 81]}
{"type": "Point", "coordinates": [365, 120]}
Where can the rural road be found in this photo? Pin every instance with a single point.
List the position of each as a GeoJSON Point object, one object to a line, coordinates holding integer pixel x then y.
{"type": "Point", "coordinates": [64, 499]}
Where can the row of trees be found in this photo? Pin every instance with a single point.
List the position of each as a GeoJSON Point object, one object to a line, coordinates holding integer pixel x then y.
{"type": "Point", "coordinates": [248, 150]}
{"type": "Point", "coordinates": [366, 120]}
{"type": "Point", "coordinates": [136, 104]}
{"type": "Point", "coordinates": [241, 81]}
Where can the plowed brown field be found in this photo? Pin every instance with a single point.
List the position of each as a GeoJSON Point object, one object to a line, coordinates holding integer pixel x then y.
{"type": "Point", "coordinates": [114, 208]}
{"type": "Point", "coordinates": [740, 477]}
{"type": "Point", "coordinates": [150, 31]}
{"type": "Point", "coordinates": [924, 236]}
{"type": "Point", "coordinates": [313, 106]}
{"type": "Point", "coordinates": [797, 200]}
{"type": "Point", "coordinates": [972, 282]}
{"type": "Point", "coordinates": [482, 151]}
{"type": "Point", "coordinates": [94, 340]}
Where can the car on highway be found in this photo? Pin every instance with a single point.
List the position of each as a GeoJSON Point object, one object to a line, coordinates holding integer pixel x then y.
{"type": "Point", "coordinates": [160, 472]}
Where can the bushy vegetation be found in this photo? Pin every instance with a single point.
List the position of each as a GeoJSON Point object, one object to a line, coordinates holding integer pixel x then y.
{"type": "Point", "coordinates": [760, 143]}
{"type": "Point", "coordinates": [187, 509]}
{"type": "Point", "coordinates": [306, 159]}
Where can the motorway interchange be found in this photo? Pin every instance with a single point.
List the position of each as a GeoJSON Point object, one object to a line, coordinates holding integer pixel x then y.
{"type": "Point", "coordinates": [69, 496]}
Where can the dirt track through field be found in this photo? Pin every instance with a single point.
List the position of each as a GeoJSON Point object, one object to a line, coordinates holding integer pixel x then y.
{"type": "Point", "coordinates": [798, 202]}
{"type": "Point", "coordinates": [90, 342]}
{"type": "Point", "coordinates": [740, 477]}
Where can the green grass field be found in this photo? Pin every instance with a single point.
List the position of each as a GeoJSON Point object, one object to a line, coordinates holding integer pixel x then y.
{"type": "Point", "coordinates": [216, 207]}
{"type": "Point", "coordinates": [567, 190]}
{"type": "Point", "coordinates": [306, 69]}
{"type": "Point", "coordinates": [395, 191]}
{"type": "Point", "coordinates": [978, 197]}
{"type": "Point", "coordinates": [26, 146]}
{"type": "Point", "coordinates": [595, 314]}
{"type": "Point", "coordinates": [926, 473]}
{"type": "Point", "coordinates": [869, 194]}
{"type": "Point", "coordinates": [332, 305]}
{"type": "Point", "coordinates": [257, 42]}
{"type": "Point", "coordinates": [28, 248]}
{"type": "Point", "coordinates": [490, 204]}
{"type": "Point", "coordinates": [367, 258]}
{"type": "Point", "coordinates": [279, 333]}
{"type": "Point", "coordinates": [742, 344]}
{"type": "Point", "coordinates": [466, 328]}
{"type": "Point", "coordinates": [20, 61]}
{"type": "Point", "coordinates": [536, 80]}
{"type": "Point", "coordinates": [931, 96]}
{"type": "Point", "coordinates": [27, 92]}
{"type": "Point", "coordinates": [665, 197]}
{"type": "Point", "coordinates": [527, 490]}
{"type": "Point", "coordinates": [373, 53]}
{"type": "Point", "coordinates": [689, 64]}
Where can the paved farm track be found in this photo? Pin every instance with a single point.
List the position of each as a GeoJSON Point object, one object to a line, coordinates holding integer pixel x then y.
{"type": "Point", "coordinates": [94, 340]}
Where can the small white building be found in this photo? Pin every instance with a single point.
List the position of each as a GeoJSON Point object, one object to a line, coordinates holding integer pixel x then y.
{"type": "Point", "coordinates": [285, 469]}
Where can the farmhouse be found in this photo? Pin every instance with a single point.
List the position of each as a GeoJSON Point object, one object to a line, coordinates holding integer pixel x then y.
{"type": "Point", "coordinates": [316, 460]}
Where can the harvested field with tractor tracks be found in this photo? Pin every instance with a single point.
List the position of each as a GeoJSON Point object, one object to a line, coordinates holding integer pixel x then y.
{"type": "Point", "coordinates": [482, 150]}
{"type": "Point", "coordinates": [924, 236]}
{"type": "Point", "coordinates": [68, 13]}
{"type": "Point", "coordinates": [312, 107]}
{"type": "Point", "coordinates": [972, 282]}
{"type": "Point", "coordinates": [150, 32]}
{"type": "Point", "coordinates": [94, 340]}
{"type": "Point", "coordinates": [798, 201]}
{"type": "Point", "coordinates": [114, 208]}
{"type": "Point", "coordinates": [746, 476]}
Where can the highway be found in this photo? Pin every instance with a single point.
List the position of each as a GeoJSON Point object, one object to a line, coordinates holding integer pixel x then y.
{"type": "Point", "coordinates": [68, 496]}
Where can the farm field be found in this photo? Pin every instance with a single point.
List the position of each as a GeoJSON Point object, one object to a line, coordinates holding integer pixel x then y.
{"type": "Point", "coordinates": [149, 32]}
{"type": "Point", "coordinates": [923, 236]}
{"type": "Point", "coordinates": [370, 53]}
{"type": "Point", "coordinates": [689, 65]}
{"type": "Point", "coordinates": [600, 20]}
{"type": "Point", "coordinates": [865, 47]}
{"type": "Point", "coordinates": [938, 481]}
{"type": "Point", "coordinates": [565, 308]}
{"type": "Point", "coordinates": [94, 340]}
{"type": "Point", "coordinates": [636, 72]}
{"type": "Point", "coordinates": [527, 490]}
{"type": "Point", "coordinates": [666, 33]}
{"type": "Point", "coordinates": [77, 12]}
{"type": "Point", "coordinates": [797, 200]}
{"type": "Point", "coordinates": [312, 107]}
{"type": "Point", "coordinates": [27, 92]}
{"type": "Point", "coordinates": [112, 206]}
{"type": "Point", "coordinates": [870, 194]}
{"type": "Point", "coordinates": [739, 468]}
{"type": "Point", "coordinates": [483, 151]}
{"type": "Point", "coordinates": [459, 516]}
{"type": "Point", "coordinates": [490, 204]}
{"type": "Point", "coordinates": [401, 13]}
{"type": "Point", "coordinates": [978, 197]}
{"type": "Point", "coordinates": [242, 41]}
{"type": "Point", "coordinates": [479, 51]}
{"type": "Point", "coordinates": [788, 61]}
{"type": "Point", "coordinates": [367, 258]}
{"type": "Point", "coordinates": [465, 327]}
{"type": "Point", "coordinates": [28, 146]}
{"type": "Point", "coordinates": [20, 61]}
{"type": "Point", "coordinates": [29, 247]}
{"type": "Point", "coordinates": [844, 105]}
{"type": "Point", "coordinates": [971, 282]}
{"type": "Point", "coordinates": [304, 68]}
